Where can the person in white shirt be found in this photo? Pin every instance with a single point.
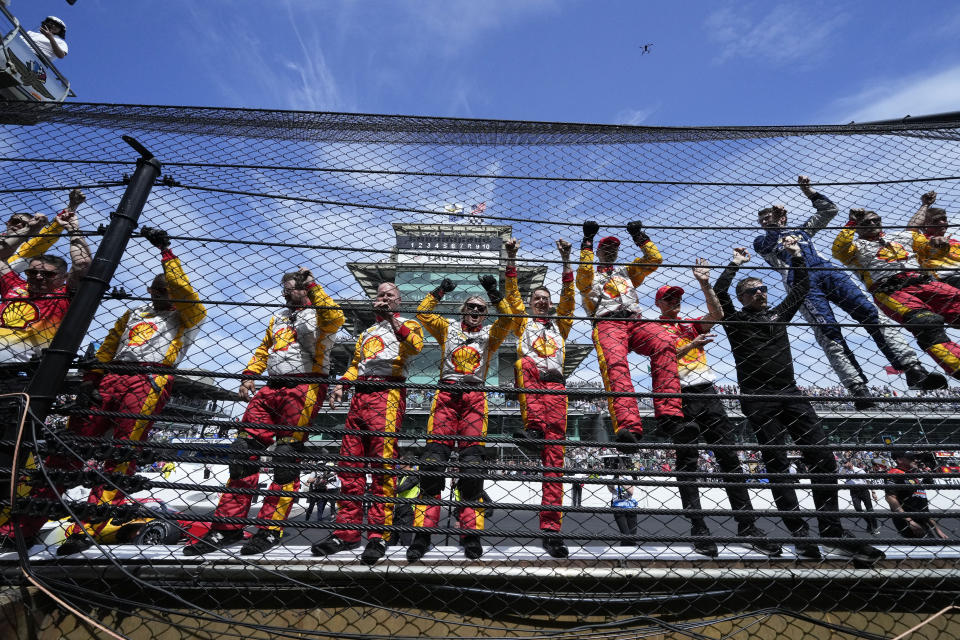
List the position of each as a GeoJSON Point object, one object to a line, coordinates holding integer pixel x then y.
{"type": "Point", "coordinates": [50, 39]}
{"type": "Point", "coordinates": [860, 495]}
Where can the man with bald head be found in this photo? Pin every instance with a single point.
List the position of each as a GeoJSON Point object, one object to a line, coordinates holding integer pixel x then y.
{"type": "Point", "coordinates": [382, 356]}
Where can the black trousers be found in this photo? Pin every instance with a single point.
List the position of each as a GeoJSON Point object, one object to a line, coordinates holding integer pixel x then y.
{"type": "Point", "coordinates": [706, 418]}
{"type": "Point", "coordinates": [793, 415]}
{"type": "Point", "coordinates": [863, 504]}
{"type": "Point", "coordinates": [627, 524]}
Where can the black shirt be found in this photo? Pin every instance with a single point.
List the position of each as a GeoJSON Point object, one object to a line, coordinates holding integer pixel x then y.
{"type": "Point", "coordinates": [758, 339]}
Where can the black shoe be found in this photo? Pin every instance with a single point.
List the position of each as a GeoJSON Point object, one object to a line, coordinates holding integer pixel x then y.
{"type": "Point", "coordinates": [213, 541]}
{"type": "Point", "coordinates": [858, 550]}
{"type": "Point", "coordinates": [627, 542]}
{"type": "Point", "coordinates": [332, 545]}
{"type": "Point", "coordinates": [522, 440]}
{"type": "Point", "coordinates": [375, 549]}
{"type": "Point", "coordinates": [626, 441]}
{"type": "Point", "coordinates": [419, 546]}
{"type": "Point", "coordinates": [807, 551]}
{"type": "Point", "coordinates": [668, 426]}
{"type": "Point", "coordinates": [262, 541]}
{"type": "Point", "coordinates": [919, 379]}
{"type": "Point", "coordinates": [472, 549]}
{"type": "Point", "coordinates": [760, 543]}
{"type": "Point", "coordinates": [861, 397]}
{"type": "Point", "coordinates": [704, 547]}
{"type": "Point", "coordinates": [75, 543]}
{"type": "Point", "coordinates": [555, 547]}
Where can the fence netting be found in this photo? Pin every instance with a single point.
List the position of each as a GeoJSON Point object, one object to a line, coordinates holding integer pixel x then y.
{"type": "Point", "coordinates": [350, 380]}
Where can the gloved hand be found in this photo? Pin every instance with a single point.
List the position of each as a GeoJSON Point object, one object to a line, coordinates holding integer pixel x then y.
{"type": "Point", "coordinates": [88, 395]}
{"type": "Point", "coordinates": [157, 237]}
{"type": "Point", "coordinates": [635, 229]}
{"type": "Point", "coordinates": [489, 284]}
{"type": "Point", "coordinates": [446, 286]}
{"type": "Point", "coordinates": [590, 229]}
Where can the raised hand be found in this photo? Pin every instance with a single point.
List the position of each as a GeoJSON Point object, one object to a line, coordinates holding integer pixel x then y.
{"type": "Point", "coordinates": [701, 272]}
{"type": "Point", "coordinates": [157, 237]}
{"type": "Point", "coordinates": [740, 255]}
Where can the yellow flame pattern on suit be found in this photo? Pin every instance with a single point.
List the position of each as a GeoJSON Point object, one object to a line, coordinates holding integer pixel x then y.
{"type": "Point", "coordinates": [616, 287]}
{"type": "Point", "coordinates": [284, 338]}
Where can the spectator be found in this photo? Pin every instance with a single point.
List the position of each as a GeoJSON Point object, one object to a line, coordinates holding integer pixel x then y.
{"type": "Point", "coordinates": [622, 498]}
{"type": "Point", "coordinates": [860, 496]}
{"type": "Point", "coordinates": [50, 39]}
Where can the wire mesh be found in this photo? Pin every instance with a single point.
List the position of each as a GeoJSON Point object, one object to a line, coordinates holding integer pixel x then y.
{"type": "Point", "coordinates": [269, 441]}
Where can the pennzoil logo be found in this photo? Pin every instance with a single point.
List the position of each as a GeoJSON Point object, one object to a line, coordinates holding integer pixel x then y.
{"type": "Point", "coordinates": [373, 347]}
{"type": "Point", "coordinates": [616, 287]}
{"type": "Point", "coordinates": [283, 338]}
{"type": "Point", "coordinates": [465, 359]}
{"type": "Point", "coordinates": [19, 315]}
{"type": "Point", "coordinates": [545, 346]}
{"type": "Point", "coordinates": [140, 333]}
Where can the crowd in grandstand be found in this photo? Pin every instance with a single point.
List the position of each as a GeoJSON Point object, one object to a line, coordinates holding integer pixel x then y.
{"type": "Point", "coordinates": [909, 275]}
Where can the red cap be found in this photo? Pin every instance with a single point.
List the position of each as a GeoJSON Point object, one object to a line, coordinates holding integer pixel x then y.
{"type": "Point", "coordinates": [665, 291]}
{"type": "Point", "coordinates": [608, 240]}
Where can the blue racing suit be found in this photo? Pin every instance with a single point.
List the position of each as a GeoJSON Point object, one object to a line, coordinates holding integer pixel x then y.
{"type": "Point", "coordinates": [830, 284]}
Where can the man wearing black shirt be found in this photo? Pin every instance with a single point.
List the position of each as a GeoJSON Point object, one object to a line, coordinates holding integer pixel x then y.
{"type": "Point", "coordinates": [761, 349]}
{"type": "Point", "coordinates": [909, 499]}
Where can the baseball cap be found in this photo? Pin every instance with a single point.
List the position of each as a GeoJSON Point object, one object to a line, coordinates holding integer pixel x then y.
{"type": "Point", "coordinates": [609, 240]}
{"type": "Point", "coordinates": [668, 290]}
{"type": "Point", "coordinates": [879, 461]}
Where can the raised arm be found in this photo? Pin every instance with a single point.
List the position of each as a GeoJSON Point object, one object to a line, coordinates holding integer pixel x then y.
{"type": "Point", "coordinates": [585, 269]}
{"type": "Point", "coordinates": [651, 259]}
{"type": "Point", "coordinates": [722, 285]}
{"type": "Point", "coordinates": [10, 244]}
{"type": "Point", "coordinates": [504, 323]}
{"type": "Point", "coordinates": [826, 210]}
{"type": "Point", "coordinates": [714, 310]}
{"type": "Point", "coordinates": [80, 257]}
{"type": "Point", "coordinates": [918, 220]}
{"type": "Point", "coordinates": [435, 324]}
{"type": "Point", "coordinates": [512, 289]}
{"type": "Point", "coordinates": [843, 248]}
{"type": "Point", "coordinates": [183, 296]}
{"type": "Point", "coordinates": [567, 302]}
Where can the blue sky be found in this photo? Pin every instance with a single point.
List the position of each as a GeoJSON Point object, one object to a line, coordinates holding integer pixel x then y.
{"type": "Point", "coordinates": [577, 61]}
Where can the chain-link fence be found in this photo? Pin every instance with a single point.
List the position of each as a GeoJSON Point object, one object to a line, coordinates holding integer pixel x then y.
{"type": "Point", "coordinates": [371, 376]}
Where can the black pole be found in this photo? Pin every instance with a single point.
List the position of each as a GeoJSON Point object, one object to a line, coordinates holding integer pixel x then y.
{"type": "Point", "coordinates": [56, 359]}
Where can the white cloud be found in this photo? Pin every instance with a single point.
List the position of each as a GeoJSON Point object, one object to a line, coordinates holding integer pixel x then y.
{"type": "Point", "coordinates": [634, 117]}
{"type": "Point", "coordinates": [919, 94]}
{"type": "Point", "coordinates": [782, 35]}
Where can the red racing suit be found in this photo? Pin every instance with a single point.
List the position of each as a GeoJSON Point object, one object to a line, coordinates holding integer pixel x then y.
{"type": "Point", "coordinates": [296, 343]}
{"type": "Point", "coordinates": [611, 298]}
{"type": "Point", "coordinates": [904, 291]}
{"type": "Point", "coordinates": [466, 357]}
{"type": "Point", "coordinates": [541, 346]}
{"type": "Point", "coordinates": [381, 355]}
{"type": "Point", "coordinates": [140, 336]}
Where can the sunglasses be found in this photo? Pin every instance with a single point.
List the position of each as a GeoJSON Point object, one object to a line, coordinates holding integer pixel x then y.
{"type": "Point", "coordinates": [472, 306]}
{"type": "Point", "coordinates": [17, 221]}
{"type": "Point", "coordinates": [754, 290]}
{"type": "Point", "coordinates": [41, 273]}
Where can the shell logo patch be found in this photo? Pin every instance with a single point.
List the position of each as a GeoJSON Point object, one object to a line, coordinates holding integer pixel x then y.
{"type": "Point", "coordinates": [18, 315]}
{"type": "Point", "coordinates": [545, 346]}
{"type": "Point", "coordinates": [283, 338]}
{"type": "Point", "coordinates": [892, 252]}
{"type": "Point", "coordinates": [465, 359]}
{"type": "Point", "coordinates": [140, 333]}
{"type": "Point", "coordinates": [372, 347]}
{"type": "Point", "coordinates": [616, 287]}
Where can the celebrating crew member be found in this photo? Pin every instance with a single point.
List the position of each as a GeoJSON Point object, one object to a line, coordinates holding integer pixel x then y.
{"type": "Point", "coordinates": [157, 333]}
{"type": "Point", "coordinates": [467, 347]}
{"type": "Point", "coordinates": [381, 357]}
{"type": "Point", "coordinates": [32, 309]}
{"type": "Point", "coordinates": [541, 345]}
{"type": "Point", "coordinates": [901, 288]}
{"type": "Point", "coordinates": [910, 499]}
{"type": "Point", "coordinates": [761, 349]}
{"type": "Point", "coordinates": [610, 297]}
{"type": "Point", "coordinates": [937, 251]}
{"type": "Point", "coordinates": [828, 284]}
{"type": "Point", "coordinates": [296, 345]}
{"type": "Point", "coordinates": [24, 224]}
{"type": "Point", "coordinates": [705, 415]}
